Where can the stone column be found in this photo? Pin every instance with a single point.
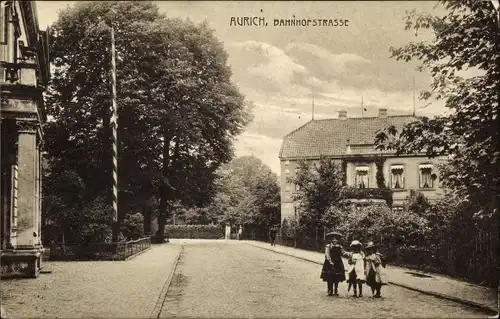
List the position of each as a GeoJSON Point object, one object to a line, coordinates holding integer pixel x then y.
{"type": "Point", "coordinates": [37, 193]}
{"type": "Point", "coordinates": [27, 196]}
{"type": "Point", "coordinates": [8, 156]}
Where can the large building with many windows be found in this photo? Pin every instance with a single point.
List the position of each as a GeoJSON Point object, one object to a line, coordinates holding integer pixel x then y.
{"type": "Point", "coordinates": [24, 74]}
{"type": "Point", "coordinates": [350, 142]}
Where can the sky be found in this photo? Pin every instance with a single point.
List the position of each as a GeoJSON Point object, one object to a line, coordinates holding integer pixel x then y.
{"type": "Point", "coordinates": [279, 68]}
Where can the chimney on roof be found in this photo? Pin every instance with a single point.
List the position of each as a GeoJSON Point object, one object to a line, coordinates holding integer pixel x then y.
{"type": "Point", "coordinates": [382, 113]}
{"type": "Point", "coordinates": [342, 115]}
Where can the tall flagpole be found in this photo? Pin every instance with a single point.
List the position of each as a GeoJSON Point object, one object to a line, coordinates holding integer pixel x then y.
{"type": "Point", "coordinates": [114, 123]}
{"type": "Point", "coordinates": [362, 107]}
{"type": "Point", "coordinates": [313, 104]}
{"type": "Point", "coordinates": [413, 96]}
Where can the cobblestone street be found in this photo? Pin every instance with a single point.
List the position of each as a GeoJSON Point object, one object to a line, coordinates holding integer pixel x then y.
{"type": "Point", "coordinates": [212, 279]}
{"type": "Point", "coordinates": [229, 279]}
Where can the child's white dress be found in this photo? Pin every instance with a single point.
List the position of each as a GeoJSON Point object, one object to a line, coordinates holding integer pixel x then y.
{"type": "Point", "coordinates": [357, 264]}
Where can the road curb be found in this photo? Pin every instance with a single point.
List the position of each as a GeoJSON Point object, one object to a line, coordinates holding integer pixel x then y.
{"type": "Point", "coordinates": [430, 293]}
{"type": "Point", "coordinates": [155, 313]}
{"type": "Point", "coordinates": [447, 297]}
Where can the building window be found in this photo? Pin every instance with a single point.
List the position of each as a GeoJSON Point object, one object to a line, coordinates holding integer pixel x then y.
{"type": "Point", "coordinates": [297, 187]}
{"type": "Point", "coordinates": [287, 163]}
{"type": "Point", "coordinates": [397, 209]}
{"type": "Point", "coordinates": [362, 179]}
{"type": "Point", "coordinates": [426, 179]}
{"type": "Point", "coordinates": [287, 171]}
{"type": "Point", "coordinates": [397, 177]}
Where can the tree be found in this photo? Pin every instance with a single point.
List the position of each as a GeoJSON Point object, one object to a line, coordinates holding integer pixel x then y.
{"type": "Point", "coordinates": [417, 203]}
{"type": "Point", "coordinates": [466, 37]}
{"type": "Point", "coordinates": [198, 215]}
{"type": "Point", "coordinates": [76, 222]}
{"type": "Point", "coordinates": [133, 226]}
{"type": "Point", "coordinates": [79, 136]}
{"type": "Point", "coordinates": [266, 200]}
{"type": "Point", "coordinates": [178, 109]}
{"type": "Point", "coordinates": [247, 193]}
{"type": "Point", "coordinates": [199, 112]}
{"type": "Point", "coordinates": [320, 191]}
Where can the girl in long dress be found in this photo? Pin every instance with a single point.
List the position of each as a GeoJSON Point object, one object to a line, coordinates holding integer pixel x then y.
{"type": "Point", "coordinates": [375, 270]}
{"type": "Point", "coordinates": [356, 268]}
{"type": "Point", "coordinates": [333, 270]}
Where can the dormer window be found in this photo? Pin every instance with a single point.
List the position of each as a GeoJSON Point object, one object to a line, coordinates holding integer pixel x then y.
{"type": "Point", "coordinates": [397, 177]}
{"type": "Point", "coordinates": [362, 179]}
{"type": "Point", "coordinates": [426, 176]}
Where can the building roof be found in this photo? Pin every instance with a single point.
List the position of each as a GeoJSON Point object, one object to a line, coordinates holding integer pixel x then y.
{"type": "Point", "coordinates": [330, 137]}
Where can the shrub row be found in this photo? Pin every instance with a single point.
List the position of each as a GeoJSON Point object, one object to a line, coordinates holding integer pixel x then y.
{"type": "Point", "coordinates": [195, 231]}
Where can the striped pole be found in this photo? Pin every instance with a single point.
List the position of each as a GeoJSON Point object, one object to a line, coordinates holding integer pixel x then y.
{"type": "Point", "coordinates": [114, 123]}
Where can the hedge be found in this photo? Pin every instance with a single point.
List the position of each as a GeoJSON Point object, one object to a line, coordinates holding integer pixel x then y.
{"type": "Point", "coordinates": [195, 231]}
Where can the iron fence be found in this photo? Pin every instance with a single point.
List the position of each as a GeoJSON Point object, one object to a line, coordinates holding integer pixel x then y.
{"type": "Point", "coordinates": [98, 251]}
{"type": "Point", "coordinates": [130, 248]}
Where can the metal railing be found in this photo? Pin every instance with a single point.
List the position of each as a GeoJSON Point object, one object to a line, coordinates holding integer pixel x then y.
{"type": "Point", "coordinates": [132, 247]}
{"type": "Point", "coordinates": [99, 251]}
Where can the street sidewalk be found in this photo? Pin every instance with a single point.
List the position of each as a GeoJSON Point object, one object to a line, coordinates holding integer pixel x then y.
{"type": "Point", "coordinates": [432, 284]}
{"type": "Point", "coordinates": [95, 289]}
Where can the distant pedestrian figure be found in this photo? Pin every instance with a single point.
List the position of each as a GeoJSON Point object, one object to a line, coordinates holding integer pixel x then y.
{"type": "Point", "coordinates": [375, 270]}
{"type": "Point", "coordinates": [333, 270]}
{"type": "Point", "coordinates": [272, 235]}
{"type": "Point", "coordinates": [240, 232]}
{"type": "Point", "coordinates": [356, 268]}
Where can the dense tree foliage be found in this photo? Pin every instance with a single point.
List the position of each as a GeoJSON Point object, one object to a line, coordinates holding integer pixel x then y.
{"type": "Point", "coordinates": [467, 37]}
{"type": "Point", "coordinates": [380, 224]}
{"type": "Point", "coordinates": [319, 192]}
{"type": "Point", "coordinates": [248, 193]}
{"type": "Point", "coordinates": [178, 109]}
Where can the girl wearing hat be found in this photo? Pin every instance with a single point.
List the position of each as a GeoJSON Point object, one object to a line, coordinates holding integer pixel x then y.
{"type": "Point", "coordinates": [356, 268]}
{"type": "Point", "coordinates": [333, 270]}
{"type": "Point", "coordinates": [375, 271]}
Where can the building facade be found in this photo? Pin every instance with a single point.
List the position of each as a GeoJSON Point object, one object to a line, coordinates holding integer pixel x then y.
{"type": "Point", "coordinates": [350, 142]}
{"type": "Point", "coordinates": [24, 73]}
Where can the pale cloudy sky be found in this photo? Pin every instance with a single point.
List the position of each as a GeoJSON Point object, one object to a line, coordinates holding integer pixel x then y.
{"type": "Point", "coordinates": [278, 67]}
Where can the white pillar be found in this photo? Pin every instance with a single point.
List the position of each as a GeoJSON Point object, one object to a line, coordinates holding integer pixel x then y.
{"type": "Point", "coordinates": [27, 200]}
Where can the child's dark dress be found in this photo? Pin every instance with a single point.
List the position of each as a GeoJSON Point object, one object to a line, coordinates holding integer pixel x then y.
{"type": "Point", "coordinates": [335, 272]}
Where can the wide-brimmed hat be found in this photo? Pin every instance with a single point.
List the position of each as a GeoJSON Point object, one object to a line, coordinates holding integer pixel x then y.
{"type": "Point", "coordinates": [355, 243]}
{"type": "Point", "coordinates": [333, 234]}
{"type": "Point", "coordinates": [370, 245]}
